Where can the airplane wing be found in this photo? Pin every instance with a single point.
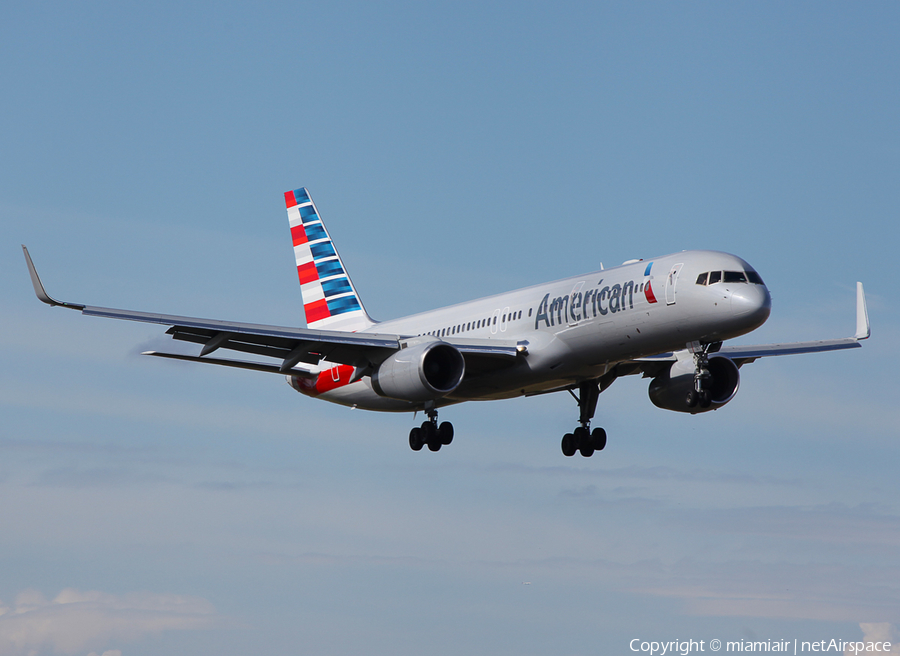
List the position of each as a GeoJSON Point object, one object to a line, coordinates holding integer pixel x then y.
{"type": "Point", "coordinates": [651, 366]}
{"type": "Point", "coordinates": [744, 354]}
{"type": "Point", "coordinates": [298, 349]}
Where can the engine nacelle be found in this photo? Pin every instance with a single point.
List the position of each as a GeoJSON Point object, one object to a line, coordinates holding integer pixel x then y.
{"type": "Point", "coordinates": [670, 389]}
{"type": "Point", "coordinates": [422, 372]}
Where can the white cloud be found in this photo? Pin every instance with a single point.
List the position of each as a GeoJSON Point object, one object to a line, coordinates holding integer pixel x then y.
{"type": "Point", "coordinates": [76, 621]}
{"type": "Point", "coordinates": [877, 632]}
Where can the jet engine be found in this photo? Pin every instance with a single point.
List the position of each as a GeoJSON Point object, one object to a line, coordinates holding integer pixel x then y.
{"type": "Point", "coordinates": [422, 372]}
{"type": "Point", "coordinates": [671, 388]}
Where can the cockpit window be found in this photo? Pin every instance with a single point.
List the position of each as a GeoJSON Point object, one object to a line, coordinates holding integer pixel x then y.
{"type": "Point", "coordinates": [753, 277]}
{"type": "Point", "coordinates": [712, 277]}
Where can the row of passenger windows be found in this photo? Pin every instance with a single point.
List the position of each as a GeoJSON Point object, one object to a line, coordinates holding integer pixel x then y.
{"type": "Point", "coordinates": [475, 325]}
{"type": "Point", "coordinates": [712, 277]}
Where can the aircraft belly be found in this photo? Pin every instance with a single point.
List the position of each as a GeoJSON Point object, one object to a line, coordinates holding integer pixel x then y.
{"type": "Point", "coordinates": [361, 395]}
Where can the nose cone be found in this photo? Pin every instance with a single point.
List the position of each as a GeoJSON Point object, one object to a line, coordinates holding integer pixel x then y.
{"type": "Point", "coordinates": [751, 303]}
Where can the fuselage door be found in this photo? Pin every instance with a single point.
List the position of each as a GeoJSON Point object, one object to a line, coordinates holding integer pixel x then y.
{"type": "Point", "coordinates": [504, 319]}
{"type": "Point", "coordinates": [575, 312]}
{"type": "Point", "coordinates": [671, 279]}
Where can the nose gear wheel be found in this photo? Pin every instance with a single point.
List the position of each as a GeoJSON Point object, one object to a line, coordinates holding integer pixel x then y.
{"type": "Point", "coordinates": [701, 395]}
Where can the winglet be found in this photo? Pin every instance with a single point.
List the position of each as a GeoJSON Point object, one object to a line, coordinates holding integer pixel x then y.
{"type": "Point", "coordinates": [863, 331]}
{"type": "Point", "coordinates": [39, 287]}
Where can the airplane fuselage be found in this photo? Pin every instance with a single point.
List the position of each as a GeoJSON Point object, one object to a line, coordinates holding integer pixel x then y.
{"type": "Point", "coordinates": [578, 327]}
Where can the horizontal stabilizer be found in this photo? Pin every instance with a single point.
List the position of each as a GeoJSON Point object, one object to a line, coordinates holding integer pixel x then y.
{"type": "Point", "coordinates": [310, 372]}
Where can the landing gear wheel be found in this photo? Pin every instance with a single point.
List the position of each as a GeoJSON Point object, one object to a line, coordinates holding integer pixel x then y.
{"type": "Point", "coordinates": [415, 439]}
{"type": "Point", "coordinates": [692, 398]}
{"type": "Point", "coordinates": [445, 432]}
{"type": "Point", "coordinates": [568, 445]}
{"type": "Point", "coordinates": [586, 449]}
{"type": "Point", "coordinates": [598, 439]}
{"type": "Point", "coordinates": [705, 400]}
{"type": "Point", "coordinates": [581, 436]}
{"type": "Point", "coordinates": [430, 435]}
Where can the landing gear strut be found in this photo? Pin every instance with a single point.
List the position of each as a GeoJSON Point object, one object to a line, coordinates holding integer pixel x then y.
{"type": "Point", "coordinates": [583, 439]}
{"type": "Point", "coordinates": [430, 433]}
{"type": "Point", "coordinates": [700, 395]}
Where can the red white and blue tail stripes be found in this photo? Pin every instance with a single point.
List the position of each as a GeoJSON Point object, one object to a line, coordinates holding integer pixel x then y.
{"type": "Point", "coordinates": [329, 298]}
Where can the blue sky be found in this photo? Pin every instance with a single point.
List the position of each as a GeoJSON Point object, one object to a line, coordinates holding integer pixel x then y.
{"type": "Point", "coordinates": [454, 150]}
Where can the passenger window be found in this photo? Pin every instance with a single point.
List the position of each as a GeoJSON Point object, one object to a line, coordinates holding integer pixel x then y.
{"type": "Point", "coordinates": [701, 279]}
{"type": "Point", "coordinates": [714, 277]}
{"type": "Point", "coordinates": [735, 276]}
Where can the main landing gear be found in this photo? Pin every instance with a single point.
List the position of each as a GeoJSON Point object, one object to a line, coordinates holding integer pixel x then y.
{"type": "Point", "coordinates": [583, 439]}
{"type": "Point", "coordinates": [430, 433]}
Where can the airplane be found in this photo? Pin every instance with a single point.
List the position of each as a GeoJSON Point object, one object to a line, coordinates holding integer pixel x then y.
{"type": "Point", "coordinates": [665, 318]}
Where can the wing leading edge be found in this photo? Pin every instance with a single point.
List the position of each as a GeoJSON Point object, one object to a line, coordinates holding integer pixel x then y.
{"type": "Point", "coordinates": [742, 355]}
{"type": "Point", "coordinates": [299, 350]}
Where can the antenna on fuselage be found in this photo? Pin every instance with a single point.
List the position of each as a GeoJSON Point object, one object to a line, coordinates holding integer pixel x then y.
{"type": "Point", "coordinates": [601, 266]}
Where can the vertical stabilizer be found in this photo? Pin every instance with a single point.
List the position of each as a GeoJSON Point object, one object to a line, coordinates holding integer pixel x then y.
{"type": "Point", "coordinates": [329, 297]}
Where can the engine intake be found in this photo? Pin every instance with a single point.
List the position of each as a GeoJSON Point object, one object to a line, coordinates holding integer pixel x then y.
{"type": "Point", "coordinates": [670, 389]}
{"type": "Point", "coordinates": [423, 372]}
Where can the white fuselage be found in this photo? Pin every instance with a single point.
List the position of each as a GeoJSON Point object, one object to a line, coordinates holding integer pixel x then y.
{"type": "Point", "coordinates": [578, 328]}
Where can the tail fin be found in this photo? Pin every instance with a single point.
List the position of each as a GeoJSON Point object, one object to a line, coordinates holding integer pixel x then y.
{"type": "Point", "coordinates": [329, 297]}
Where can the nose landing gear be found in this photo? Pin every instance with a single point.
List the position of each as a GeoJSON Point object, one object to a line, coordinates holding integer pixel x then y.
{"type": "Point", "coordinates": [701, 395]}
{"type": "Point", "coordinates": [583, 439]}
